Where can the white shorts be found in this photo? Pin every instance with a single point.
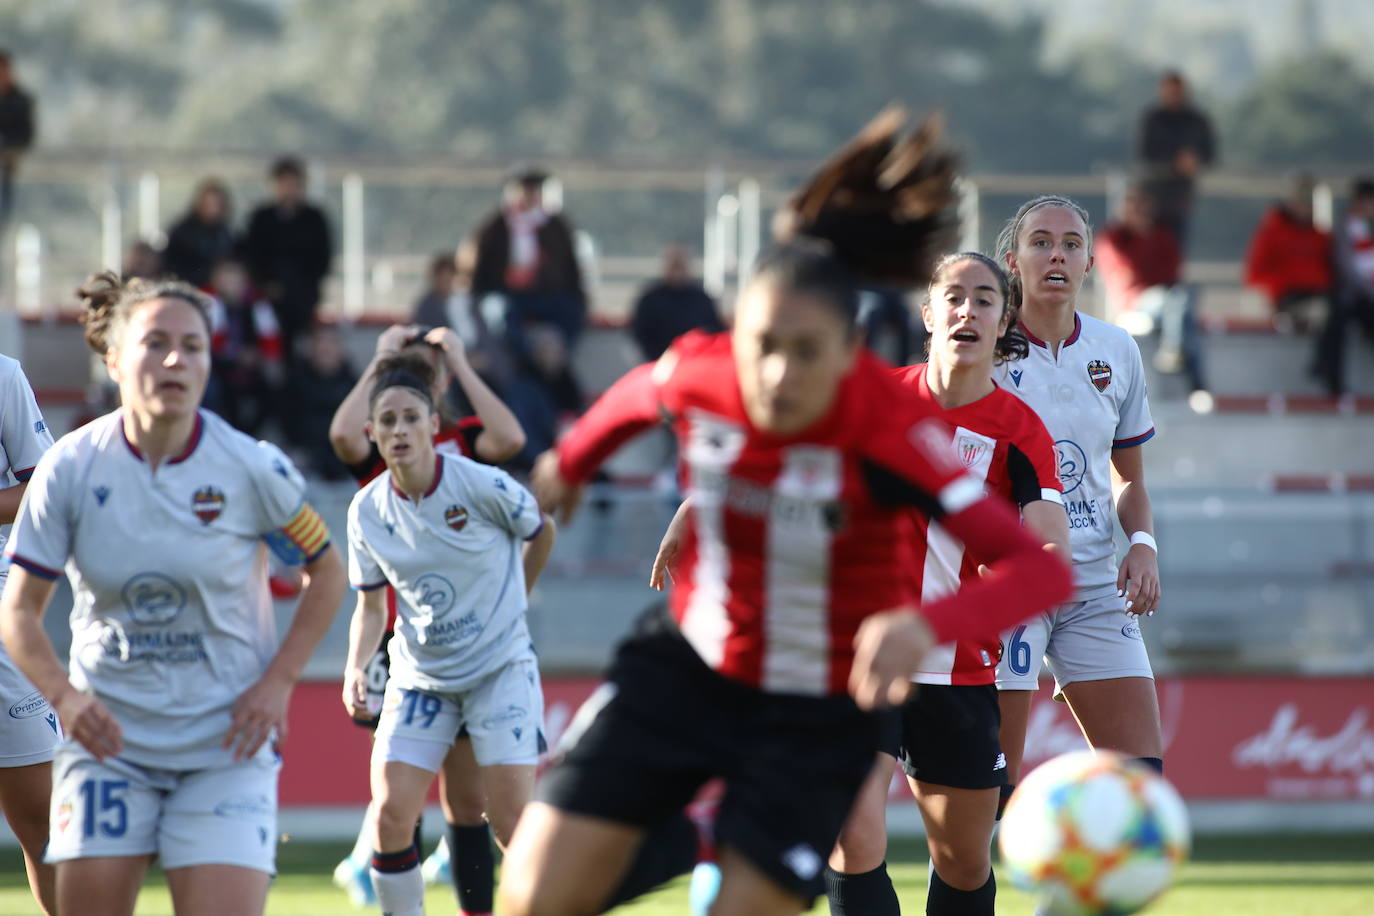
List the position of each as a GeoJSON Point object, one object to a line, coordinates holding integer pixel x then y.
{"type": "Point", "coordinates": [503, 715]}
{"type": "Point", "coordinates": [29, 731]}
{"type": "Point", "coordinates": [224, 815]}
{"type": "Point", "coordinates": [1090, 640]}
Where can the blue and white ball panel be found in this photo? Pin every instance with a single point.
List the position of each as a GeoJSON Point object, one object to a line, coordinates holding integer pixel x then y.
{"type": "Point", "coordinates": [221, 815]}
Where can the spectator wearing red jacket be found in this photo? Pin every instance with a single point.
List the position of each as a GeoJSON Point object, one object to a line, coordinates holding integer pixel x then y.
{"type": "Point", "coordinates": [1289, 258]}
{"type": "Point", "coordinates": [1142, 265]}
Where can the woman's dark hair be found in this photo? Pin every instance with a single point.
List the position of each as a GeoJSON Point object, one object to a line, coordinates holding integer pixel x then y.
{"type": "Point", "coordinates": [403, 370]}
{"type": "Point", "coordinates": [1013, 344]}
{"type": "Point", "coordinates": [877, 213]}
{"type": "Point", "coordinates": [214, 186]}
{"type": "Point", "coordinates": [108, 301]}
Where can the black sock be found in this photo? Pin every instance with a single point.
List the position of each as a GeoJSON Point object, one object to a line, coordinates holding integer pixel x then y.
{"type": "Point", "coordinates": [472, 866]}
{"type": "Point", "coordinates": [943, 900]}
{"type": "Point", "coordinates": [1004, 797]}
{"type": "Point", "coordinates": [1154, 763]}
{"type": "Point", "coordinates": [668, 850]}
{"type": "Point", "coordinates": [868, 893]}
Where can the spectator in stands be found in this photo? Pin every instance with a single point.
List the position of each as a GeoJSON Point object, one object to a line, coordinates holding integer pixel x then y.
{"type": "Point", "coordinates": [1142, 264]}
{"type": "Point", "coordinates": [16, 132]}
{"type": "Point", "coordinates": [1353, 300]}
{"type": "Point", "coordinates": [885, 318]}
{"type": "Point", "coordinates": [201, 237]}
{"type": "Point", "coordinates": [1289, 258]}
{"type": "Point", "coordinates": [288, 250]}
{"type": "Point", "coordinates": [1175, 143]}
{"type": "Point", "coordinates": [526, 257]}
{"type": "Point", "coordinates": [432, 309]}
{"type": "Point", "coordinates": [672, 305]}
{"type": "Point", "coordinates": [527, 254]}
{"type": "Point", "coordinates": [245, 349]}
{"type": "Point", "coordinates": [318, 383]}
{"type": "Point", "coordinates": [142, 260]}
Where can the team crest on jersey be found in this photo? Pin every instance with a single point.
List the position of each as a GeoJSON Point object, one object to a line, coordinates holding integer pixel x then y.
{"type": "Point", "coordinates": [971, 450]}
{"type": "Point", "coordinates": [456, 517]}
{"type": "Point", "coordinates": [207, 503]}
{"type": "Point", "coordinates": [1100, 373]}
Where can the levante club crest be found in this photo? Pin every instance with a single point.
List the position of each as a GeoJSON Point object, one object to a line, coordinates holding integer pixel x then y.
{"type": "Point", "coordinates": [457, 517]}
{"type": "Point", "coordinates": [1100, 373]}
{"type": "Point", "coordinates": [207, 503]}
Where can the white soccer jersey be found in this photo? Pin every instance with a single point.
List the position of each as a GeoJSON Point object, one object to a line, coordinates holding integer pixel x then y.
{"type": "Point", "coordinates": [24, 437]}
{"type": "Point", "coordinates": [172, 620]}
{"type": "Point", "coordinates": [1091, 396]}
{"type": "Point", "coordinates": [456, 561]}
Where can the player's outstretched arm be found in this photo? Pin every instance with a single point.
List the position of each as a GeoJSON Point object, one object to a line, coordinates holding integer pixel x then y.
{"type": "Point", "coordinates": [537, 550]}
{"type": "Point", "coordinates": [262, 708]}
{"type": "Point", "coordinates": [502, 437]}
{"type": "Point", "coordinates": [83, 717]}
{"type": "Point", "coordinates": [1138, 578]}
{"type": "Point", "coordinates": [365, 631]}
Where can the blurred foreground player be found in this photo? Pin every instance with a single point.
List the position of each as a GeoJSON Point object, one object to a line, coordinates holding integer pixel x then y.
{"type": "Point", "coordinates": [792, 619]}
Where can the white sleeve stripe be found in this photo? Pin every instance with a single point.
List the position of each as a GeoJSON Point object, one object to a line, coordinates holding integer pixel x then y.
{"type": "Point", "coordinates": [960, 494]}
{"type": "Point", "coordinates": [1050, 494]}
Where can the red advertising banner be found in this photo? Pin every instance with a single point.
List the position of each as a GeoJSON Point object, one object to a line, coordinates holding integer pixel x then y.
{"type": "Point", "coordinates": [1278, 738]}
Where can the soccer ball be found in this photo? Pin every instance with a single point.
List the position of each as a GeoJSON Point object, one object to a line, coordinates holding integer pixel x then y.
{"type": "Point", "coordinates": [1093, 834]}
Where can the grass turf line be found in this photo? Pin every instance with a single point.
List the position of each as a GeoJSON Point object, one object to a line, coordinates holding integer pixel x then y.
{"type": "Point", "coordinates": [1292, 875]}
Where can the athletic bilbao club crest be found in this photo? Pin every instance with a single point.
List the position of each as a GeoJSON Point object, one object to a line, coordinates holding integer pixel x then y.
{"type": "Point", "coordinates": [207, 503]}
{"type": "Point", "coordinates": [1100, 373]}
{"type": "Point", "coordinates": [457, 517]}
{"type": "Point", "coordinates": [971, 450]}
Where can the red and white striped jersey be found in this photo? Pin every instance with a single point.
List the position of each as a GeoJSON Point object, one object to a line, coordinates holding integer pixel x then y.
{"type": "Point", "coordinates": [795, 540]}
{"type": "Point", "coordinates": [1004, 444]}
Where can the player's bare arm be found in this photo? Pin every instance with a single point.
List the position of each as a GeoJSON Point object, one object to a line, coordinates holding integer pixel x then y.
{"type": "Point", "coordinates": [1138, 577]}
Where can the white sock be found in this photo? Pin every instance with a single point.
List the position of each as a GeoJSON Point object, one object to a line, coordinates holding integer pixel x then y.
{"type": "Point", "coordinates": [362, 846]}
{"type": "Point", "coordinates": [400, 893]}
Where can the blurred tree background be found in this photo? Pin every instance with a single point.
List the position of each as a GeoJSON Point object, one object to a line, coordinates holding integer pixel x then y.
{"type": "Point", "coordinates": [672, 80]}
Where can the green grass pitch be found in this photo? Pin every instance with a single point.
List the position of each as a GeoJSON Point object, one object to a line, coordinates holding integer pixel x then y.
{"type": "Point", "coordinates": [1289, 875]}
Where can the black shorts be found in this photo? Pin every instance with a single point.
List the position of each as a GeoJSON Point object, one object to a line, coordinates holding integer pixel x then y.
{"type": "Point", "coordinates": [665, 723]}
{"type": "Point", "coordinates": [948, 735]}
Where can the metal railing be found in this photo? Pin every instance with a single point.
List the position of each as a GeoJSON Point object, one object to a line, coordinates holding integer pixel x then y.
{"type": "Point", "coordinates": [79, 212]}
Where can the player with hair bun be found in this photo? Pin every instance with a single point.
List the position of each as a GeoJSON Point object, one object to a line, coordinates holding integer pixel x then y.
{"type": "Point", "coordinates": [792, 618]}
{"type": "Point", "coordinates": [461, 543]}
{"type": "Point", "coordinates": [178, 690]}
{"type": "Point", "coordinates": [1085, 379]}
